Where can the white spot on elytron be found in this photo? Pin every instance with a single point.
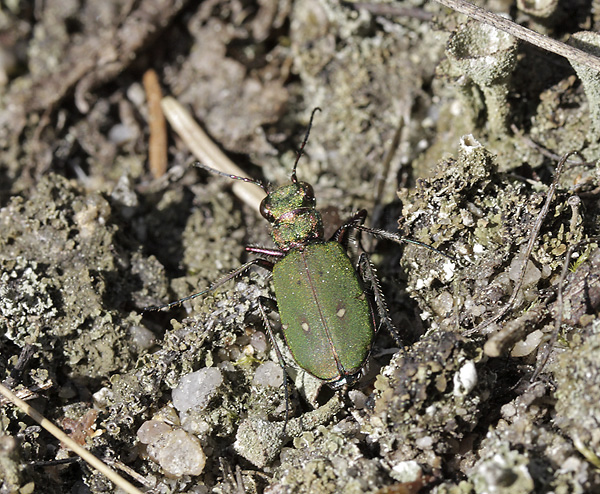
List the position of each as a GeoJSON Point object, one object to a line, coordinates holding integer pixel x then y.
{"type": "Point", "coordinates": [341, 313]}
{"type": "Point", "coordinates": [305, 327]}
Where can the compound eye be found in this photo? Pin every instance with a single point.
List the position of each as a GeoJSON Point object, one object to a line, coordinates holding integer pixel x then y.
{"type": "Point", "coordinates": [308, 191]}
{"type": "Point", "coordinates": [265, 210]}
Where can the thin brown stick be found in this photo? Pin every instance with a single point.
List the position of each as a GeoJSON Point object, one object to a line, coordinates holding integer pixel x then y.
{"type": "Point", "coordinates": [157, 144]}
{"type": "Point", "coordinates": [15, 375]}
{"type": "Point", "coordinates": [544, 42]}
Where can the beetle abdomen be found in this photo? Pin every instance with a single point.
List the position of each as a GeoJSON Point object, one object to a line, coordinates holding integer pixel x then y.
{"type": "Point", "coordinates": [326, 319]}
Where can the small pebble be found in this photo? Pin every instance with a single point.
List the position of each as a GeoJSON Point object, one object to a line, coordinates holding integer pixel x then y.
{"type": "Point", "coordinates": [121, 134]}
{"type": "Point", "coordinates": [141, 337]}
{"type": "Point", "coordinates": [358, 398]}
{"type": "Point", "coordinates": [406, 471]}
{"type": "Point", "coordinates": [268, 374]}
{"type": "Point", "coordinates": [532, 274]}
{"type": "Point", "coordinates": [152, 430]}
{"type": "Point", "coordinates": [196, 389]}
{"type": "Point", "coordinates": [525, 347]}
{"type": "Point", "coordinates": [259, 341]}
{"type": "Point", "coordinates": [465, 379]}
{"type": "Point", "coordinates": [178, 453]}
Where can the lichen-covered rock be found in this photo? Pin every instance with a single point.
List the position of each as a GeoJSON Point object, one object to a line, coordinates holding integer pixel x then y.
{"type": "Point", "coordinates": [58, 277]}
{"type": "Point", "coordinates": [578, 392]}
{"type": "Point", "coordinates": [423, 408]}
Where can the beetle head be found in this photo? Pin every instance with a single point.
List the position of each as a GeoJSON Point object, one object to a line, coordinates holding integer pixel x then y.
{"type": "Point", "coordinates": [291, 211]}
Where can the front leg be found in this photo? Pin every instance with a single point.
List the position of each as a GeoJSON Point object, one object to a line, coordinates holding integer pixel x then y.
{"type": "Point", "coordinates": [263, 263]}
{"type": "Point", "coordinates": [399, 239]}
{"type": "Point", "coordinates": [343, 233]}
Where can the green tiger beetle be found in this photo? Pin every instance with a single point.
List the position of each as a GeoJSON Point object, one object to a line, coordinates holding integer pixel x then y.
{"type": "Point", "coordinates": [327, 318]}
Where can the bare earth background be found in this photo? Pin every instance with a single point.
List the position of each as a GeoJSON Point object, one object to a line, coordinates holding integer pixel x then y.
{"type": "Point", "coordinates": [89, 238]}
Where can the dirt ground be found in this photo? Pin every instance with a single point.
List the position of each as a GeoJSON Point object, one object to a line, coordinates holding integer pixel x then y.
{"type": "Point", "coordinates": [445, 131]}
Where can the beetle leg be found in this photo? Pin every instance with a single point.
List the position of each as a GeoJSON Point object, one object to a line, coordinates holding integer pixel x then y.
{"type": "Point", "coordinates": [266, 252]}
{"type": "Point", "coordinates": [342, 233]}
{"type": "Point", "coordinates": [369, 276]}
{"type": "Point", "coordinates": [221, 281]}
{"type": "Point", "coordinates": [356, 222]}
{"type": "Point", "coordinates": [264, 302]}
{"type": "Point", "coordinates": [399, 239]}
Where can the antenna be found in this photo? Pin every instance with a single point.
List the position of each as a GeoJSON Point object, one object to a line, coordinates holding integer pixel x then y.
{"type": "Point", "coordinates": [300, 151]}
{"type": "Point", "coordinates": [254, 181]}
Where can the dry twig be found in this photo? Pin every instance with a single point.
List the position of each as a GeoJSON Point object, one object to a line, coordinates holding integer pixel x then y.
{"type": "Point", "coordinates": [544, 42]}
{"type": "Point", "coordinates": [208, 152]}
{"type": "Point", "coordinates": [157, 145]}
{"type": "Point", "coordinates": [69, 443]}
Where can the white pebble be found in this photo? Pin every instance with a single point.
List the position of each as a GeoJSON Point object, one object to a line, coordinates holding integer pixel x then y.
{"type": "Point", "coordinates": [196, 389]}
{"type": "Point", "coordinates": [259, 341]}
{"type": "Point", "coordinates": [268, 374]}
{"type": "Point", "coordinates": [465, 379]}
{"type": "Point", "coordinates": [406, 471]}
{"type": "Point", "coordinates": [178, 453]}
{"type": "Point", "coordinates": [425, 442]}
{"type": "Point", "coordinates": [152, 430]}
{"type": "Point", "coordinates": [121, 134]}
{"type": "Point", "coordinates": [525, 347]}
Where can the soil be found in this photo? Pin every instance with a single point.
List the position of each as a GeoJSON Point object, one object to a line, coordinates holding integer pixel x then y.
{"type": "Point", "coordinates": [413, 126]}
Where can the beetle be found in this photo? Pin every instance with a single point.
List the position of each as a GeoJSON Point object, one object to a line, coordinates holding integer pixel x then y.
{"type": "Point", "coordinates": [326, 304]}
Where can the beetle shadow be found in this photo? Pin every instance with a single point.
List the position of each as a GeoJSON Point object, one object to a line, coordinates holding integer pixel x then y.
{"type": "Point", "coordinates": [148, 248]}
{"type": "Point", "coordinates": [164, 229]}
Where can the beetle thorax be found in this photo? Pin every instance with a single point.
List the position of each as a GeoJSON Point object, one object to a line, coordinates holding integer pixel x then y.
{"type": "Point", "coordinates": [294, 219]}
